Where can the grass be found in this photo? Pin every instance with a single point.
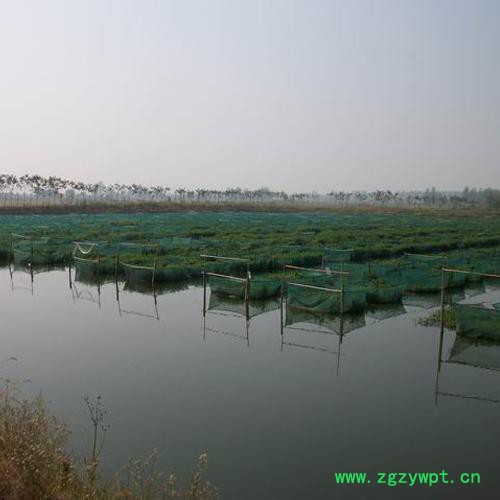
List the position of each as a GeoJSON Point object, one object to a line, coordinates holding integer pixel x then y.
{"type": "Point", "coordinates": [434, 319]}
{"type": "Point", "coordinates": [268, 238]}
{"type": "Point", "coordinates": [34, 464]}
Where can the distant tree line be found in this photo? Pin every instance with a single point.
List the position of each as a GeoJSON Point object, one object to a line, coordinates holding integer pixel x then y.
{"type": "Point", "coordinates": [35, 190]}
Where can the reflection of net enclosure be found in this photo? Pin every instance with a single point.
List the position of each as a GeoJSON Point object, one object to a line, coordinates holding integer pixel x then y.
{"type": "Point", "coordinates": [478, 320]}
{"type": "Point", "coordinates": [234, 305]}
{"type": "Point", "coordinates": [338, 324]}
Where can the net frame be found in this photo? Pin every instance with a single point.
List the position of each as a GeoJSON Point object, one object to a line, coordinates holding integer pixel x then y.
{"type": "Point", "coordinates": [206, 275]}
{"type": "Point", "coordinates": [444, 271]}
{"type": "Point", "coordinates": [130, 266]}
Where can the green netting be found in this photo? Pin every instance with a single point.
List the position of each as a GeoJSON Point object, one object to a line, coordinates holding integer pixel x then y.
{"type": "Point", "coordinates": [427, 260]}
{"type": "Point", "coordinates": [172, 242]}
{"type": "Point", "coordinates": [235, 305]}
{"type": "Point", "coordinates": [478, 320]}
{"type": "Point", "coordinates": [422, 278]}
{"type": "Point", "coordinates": [326, 301]}
{"type": "Point", "coordinates": [356, 272]}
{"type": "Point", "coordinates": [226, 286]}
{"type": "Point", "coordinates": [381, 270]}
{"type": "Point", "coordinates": [334, 323]}
{"type": "Point", "coordinates": [335, 255]}
{"type": "Point", "coordinates": [475, 352]}
{"type": "Point", "coordinates": [39, 251]}
{"type": "Point", "coordinates": [383, 293]}
{"type": "Point", "coordinates": [137, 273]}
{"type": "Point", "coordinates": [86, 270]}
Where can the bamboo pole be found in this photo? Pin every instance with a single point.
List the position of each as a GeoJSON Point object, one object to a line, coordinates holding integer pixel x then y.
{"type": "Point", "coordinates": [217, 257]}
{"type": "Point", "coordinates": [472, 273]}
{"type": "Point", "coordinates": [313, 270]}
{"type": "Point", "coordinates": [313, 287]}
{"type": "Point", "coordinates": [227, 276]}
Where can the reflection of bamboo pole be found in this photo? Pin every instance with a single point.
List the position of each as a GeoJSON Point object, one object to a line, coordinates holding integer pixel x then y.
{"type": "Point", "coordinates": [282, 295]}
{"type": "Point", "coordinates": [98, 266]}
{"type": "Point", "coordinates": [247, 298]}
{"type": "Point", "coordinates": [204, 292]}
{"type": "Point", "coordinates": [442, 300]}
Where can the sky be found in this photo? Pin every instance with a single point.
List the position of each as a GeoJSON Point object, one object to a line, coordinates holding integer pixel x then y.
{"type": "Point", "coordinates": [299, 95]}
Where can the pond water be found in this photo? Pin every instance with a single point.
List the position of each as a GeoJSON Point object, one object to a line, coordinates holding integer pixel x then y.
{"type": "Point", "coordinates": [278, 414]}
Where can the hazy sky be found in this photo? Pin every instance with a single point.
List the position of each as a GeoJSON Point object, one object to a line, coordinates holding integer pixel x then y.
{"type": "Point", "coordinates": [299, 95]}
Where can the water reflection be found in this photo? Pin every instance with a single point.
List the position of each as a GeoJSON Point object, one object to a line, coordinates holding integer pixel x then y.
{"type": "Point", "coordinates": [21, 278]}
{"type": "Point", "coordinates": [301, 423]}
{"type": "Point", "coordinates": [223, 306]}
{"type": "Point", "coordinates": [467, 354]}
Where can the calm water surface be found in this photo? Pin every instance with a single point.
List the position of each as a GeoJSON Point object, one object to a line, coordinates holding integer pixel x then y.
{"type": "Point", "coordinates": [278, 415]}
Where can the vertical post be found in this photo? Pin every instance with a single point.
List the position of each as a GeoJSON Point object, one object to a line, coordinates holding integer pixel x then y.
{"type": "Point", "coordinates": [32, 252]}
{"type": "Point", "coordinates": [69, 276]}
{"type": "Point", "coordinates": [442, 299]}
{"type": "Point", "coordinates": [155, 265]}
{"type": "Point", "coordinates": [117, 262]}
{"type": "Point", "coordinates": [98, 267]}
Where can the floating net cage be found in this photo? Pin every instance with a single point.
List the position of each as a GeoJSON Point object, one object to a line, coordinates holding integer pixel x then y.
{"type": "Point", "coordinates": [335, 255]}
{"type": "Point", "coordinates": [478, 320]}
{"type": "Point", "coordinates": [38, 250]}
{"type": "Point", "coordinates": [324, 300]}
{"type": "Point", "coordinates": [138, 261]}
{"type": "Point", "coordinates": [93, 259]}
{"type": "Point", "coordinates": [388, 288]}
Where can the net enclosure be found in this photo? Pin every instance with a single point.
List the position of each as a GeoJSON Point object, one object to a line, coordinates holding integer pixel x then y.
{"type": "Point", "coordinates": [38, 250]}
{"type": "Point", "coordinates": [138, 261]}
